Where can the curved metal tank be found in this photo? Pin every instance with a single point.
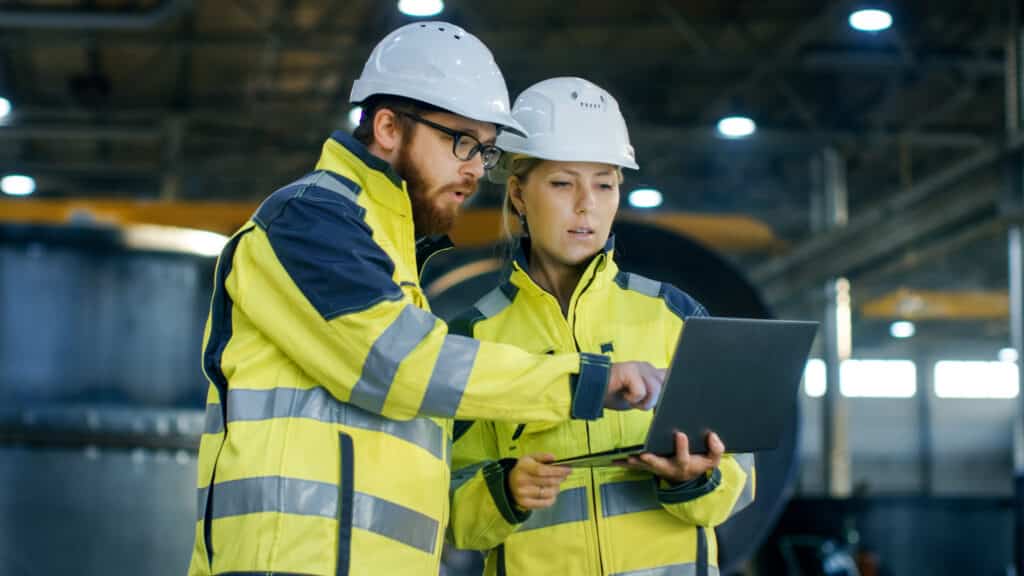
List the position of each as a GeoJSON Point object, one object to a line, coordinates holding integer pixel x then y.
{"type": "Point", "coordinates": [455, 280]}
{"type": "Point", "coordinates": [101, 396]}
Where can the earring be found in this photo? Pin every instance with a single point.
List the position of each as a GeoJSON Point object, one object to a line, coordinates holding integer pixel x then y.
{"type": "Point", "coordinates": [522, 225]}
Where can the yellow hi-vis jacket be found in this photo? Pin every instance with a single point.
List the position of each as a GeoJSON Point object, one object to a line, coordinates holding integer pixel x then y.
{"type": "Point", "coordinates": [332, 387]}
{"type": "Point", "coordinates": [605, 521]}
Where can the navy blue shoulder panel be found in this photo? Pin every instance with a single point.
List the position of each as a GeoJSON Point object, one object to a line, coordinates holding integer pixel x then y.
{"type": "Point", "coordinates": [681, 303]}
{"type": "Point", "coordinates": [318, 234]}
{"type": "Point", "coordinates": [320, 183]}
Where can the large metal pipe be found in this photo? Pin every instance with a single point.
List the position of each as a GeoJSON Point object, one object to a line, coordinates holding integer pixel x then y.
{"type": "Point", "coordinates": [101, 399]}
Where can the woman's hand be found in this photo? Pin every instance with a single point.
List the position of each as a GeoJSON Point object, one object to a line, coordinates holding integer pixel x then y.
{"type": "Point", "coordinates": [683, 466]}
{"type": "Point", "coordinates": [534, 484]}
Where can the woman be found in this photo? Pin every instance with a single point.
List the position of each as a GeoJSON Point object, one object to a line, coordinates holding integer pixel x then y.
{"type": "Point", "coordinates": [564, 292]}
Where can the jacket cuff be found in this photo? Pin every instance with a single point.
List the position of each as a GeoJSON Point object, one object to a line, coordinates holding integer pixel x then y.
{"type": "Point", "coordinates": [590, 386]}
{"type": "Point", "coordinates": [669, 493]}
{"type": "Point", "coordinates": [496, 474]}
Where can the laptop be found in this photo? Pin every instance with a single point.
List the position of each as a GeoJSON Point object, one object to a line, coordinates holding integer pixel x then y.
{"type": "Point", "coordinates": [737, 377]}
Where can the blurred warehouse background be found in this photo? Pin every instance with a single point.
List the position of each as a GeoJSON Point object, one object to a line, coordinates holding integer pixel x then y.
{"type": "Point", "coordinates": [853, 162]}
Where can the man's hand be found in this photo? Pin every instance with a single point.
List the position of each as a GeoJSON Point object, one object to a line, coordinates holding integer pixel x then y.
{"type": "Point", "coordinates": [633, 385]}
{"type": "Point", "coordinates": [683, 466]}
{"type": "Point", "coordinates": [534, 484]}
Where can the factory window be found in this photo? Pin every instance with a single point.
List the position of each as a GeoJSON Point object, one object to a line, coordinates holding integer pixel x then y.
{"type": "Point", "coordinates": [964, 379]}
{"type": "Point", "coordinates": [865, 378]}
{"type": "Point", "coordinates": [814, 378]}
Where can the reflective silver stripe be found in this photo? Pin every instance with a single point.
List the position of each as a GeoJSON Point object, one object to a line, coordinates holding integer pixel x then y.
{"type": "Point", "coordinates": [689, 569]}
{"type": "Point", "coordinates": [387, 353]}
{"type": "Point", "coordinates": [274, 494]}
{"type": "Point", "coordinates": [310, 498]}
{"type": "Point", "coordinates": [201, 503]}
{"type": "Point", "coordinates": [628, 497]}
{"type": "Point", "coordinates": [463, 475]}
{"type": "Point", "coordinates": [493, 303]}
{"type": "Point", "coordinates": [317, 404]}
{"type": "Point", "coordinates": [450, 376]}
{"type": "Point", "coordinates": [214, 419]}
{"type": "Point", "coordinates": [325, 180]}
{"type": "Point", "coordinates": [570, 506]}
{"type": "Point", "coordinates": [645, 286]}
{"type": "Point", "coordinates": [746, 461]}
{"type": "Point", "coordinates": [394, 521]}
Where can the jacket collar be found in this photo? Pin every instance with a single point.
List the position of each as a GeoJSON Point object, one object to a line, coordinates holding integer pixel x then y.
{"type": "Point", "coordinates": [599, 272]}
{"type": "Point", "coordinates": [345, 155]}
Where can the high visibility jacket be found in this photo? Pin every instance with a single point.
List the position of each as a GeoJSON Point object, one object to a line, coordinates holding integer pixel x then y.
{"type": "Point", "coordinates": [332, 387]}
{"type": "Point", "coordinates": [605, 520]}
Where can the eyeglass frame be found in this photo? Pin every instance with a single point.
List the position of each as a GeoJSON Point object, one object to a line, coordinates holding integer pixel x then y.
{"type": "Point", "coordinates": [456, 136]}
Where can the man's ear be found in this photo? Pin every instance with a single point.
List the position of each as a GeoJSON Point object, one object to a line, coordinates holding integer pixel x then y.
{"type": "Point", "coordinates": [387, 130]}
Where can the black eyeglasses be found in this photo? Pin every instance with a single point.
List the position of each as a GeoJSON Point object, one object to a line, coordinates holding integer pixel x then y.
{"type": "Point", "coordinates": [464, 146]}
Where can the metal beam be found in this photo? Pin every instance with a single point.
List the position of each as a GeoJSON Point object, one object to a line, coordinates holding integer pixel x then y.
{"type": "Point", "coordinates": [478, 227]}
{"type": "Point", "coordinates": [144, 123]}
{"type": "Point", "coordinates": [909, 304]}
{"type": "Point", "coordinates": [338, 42]}
{"type": "Point", "coordinates": [774, 137]}
{"type": "Point", "coordinates": [127, 132]}
{"type": "Point", "coordinates": [878, 280]}
{"type": "Point", "coordinates": [683, 28]}
{"type": "Point", "coordinates": [869, 246]}
{"type": "Point", "coordinates": [135, 171]}
{"type": "Point", "coordinates": [829, 251]}
{"type": "Point", "coordinates": [772, 63]}
{"type": "Point", "coordinates": [848, 58]}
{"type": "Point", "coordinates": [75, 19]}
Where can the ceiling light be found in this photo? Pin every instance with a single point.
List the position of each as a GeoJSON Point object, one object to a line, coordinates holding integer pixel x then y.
{"type": "Point", "coordinates": [18, 185]}
{"type": "Point", "coordinates": [870, 20]}
{"type": "Point", "coordinates": [355, 115]}
{"type": "Point", "coordinates": [645, 198]}
{"type": "Point", "coordinates": [902, 329]}
{"type": "Point", "coordinates": [736, 127]}
{"type": "Point", "coordinates": [420, 8]}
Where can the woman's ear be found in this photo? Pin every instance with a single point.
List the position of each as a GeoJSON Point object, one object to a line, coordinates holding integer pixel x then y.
{"type": "Point", "coordinates": [515, 194]}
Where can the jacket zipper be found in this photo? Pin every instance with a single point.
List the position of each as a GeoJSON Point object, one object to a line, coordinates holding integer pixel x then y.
{"type": "Point", "coordinates": [593, 507]}
{"type": "Point", "coordinates": [593, 479]}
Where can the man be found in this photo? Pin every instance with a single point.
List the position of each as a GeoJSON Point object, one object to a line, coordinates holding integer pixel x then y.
{"type": "Point", "coordinates": [332, 386]}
